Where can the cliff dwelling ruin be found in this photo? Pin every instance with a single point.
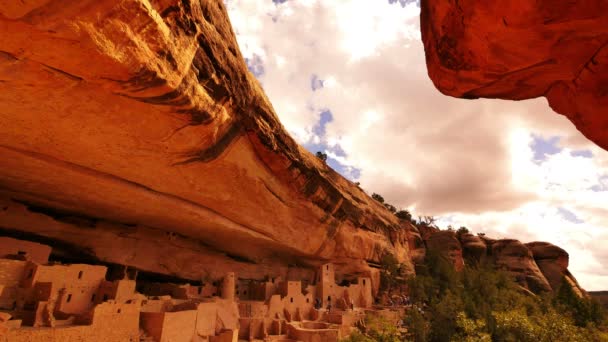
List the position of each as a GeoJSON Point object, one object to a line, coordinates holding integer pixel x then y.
{"type": "Point", "coordinates": [148, 191]}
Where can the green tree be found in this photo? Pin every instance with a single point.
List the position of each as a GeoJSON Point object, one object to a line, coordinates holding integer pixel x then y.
{"type": "Point", "coordinates": [390, 273]}
{"type": "Point", "coordinates": [322, 156]}
{"type": "Point", "coordinates": [469, 330]}
{"type": "Point", "coordinates": [390, 207]}
{"type": "Point", "coordinates": [461, 231]}
{"type": "Point", "coordinates": [404, 215]}
{"type": "Point", "coordinates": [584, 311]}
{"type": "Point", "coordinates": [378, 197]}
{"type": "Point", "coordinates": [417, 325]}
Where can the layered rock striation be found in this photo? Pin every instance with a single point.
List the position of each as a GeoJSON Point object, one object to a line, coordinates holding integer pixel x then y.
{"type": "Point", "coordinates": [133, 133]}
{"type": "Point", "coordinates": [522, 50]}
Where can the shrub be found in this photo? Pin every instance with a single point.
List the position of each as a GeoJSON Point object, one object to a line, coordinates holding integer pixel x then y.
{"type": "Point", "coordinates": [390, 207]}
{"type": "Point", "coordinates": [418, 326]}
{"type": "Point", "coordinates": [469, 330]}
{"type": "Point", "coordinates": [482, 304]}
{"type": "Point", "coordinates": [322, 156]}
{"type": "Point", "coordinates": [584, 311]}
{"type": "Point", "coordinates": [390, 273]}
{"type": "Point", "coordinates": [461, 231]}
{"type": "Point", "coordinates": [377, 329]}
{"type": "Point", "coordinates": [404, 215]}
{"type": "Point", "coordinates": [378, 197]}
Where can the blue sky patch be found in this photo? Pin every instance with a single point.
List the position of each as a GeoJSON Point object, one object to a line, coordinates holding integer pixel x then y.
{"type": "Point", "coordinates": [319, 130]}
{"type": "Point", "coordinates": [582, 153]}
{"type": "Point", "coordinates": [544, 147]}
{"type": "Point", "coordinates": [569, 216]}
{"type": "Point", "coordinates": [602, 185]}
{"type": "Point", "coordinates": [315, 82]}
{"type": "Point", "coordinates": [255, 65]}
{"type": "Point", "coordinates": [404, 3]}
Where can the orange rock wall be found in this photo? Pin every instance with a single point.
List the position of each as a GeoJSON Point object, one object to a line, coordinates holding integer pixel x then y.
{"type": "Point", "coordinates": [520, 50]}
{"type": "Point", "coordinates": [138, 116]}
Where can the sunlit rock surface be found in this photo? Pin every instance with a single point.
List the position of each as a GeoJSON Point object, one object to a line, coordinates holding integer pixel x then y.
{"type": "Point", "coordinates": [553, 263]}
{"type": "Point", "coordinates": [133, 132]}
{"type": "Point", "coordinates": [519, 50]}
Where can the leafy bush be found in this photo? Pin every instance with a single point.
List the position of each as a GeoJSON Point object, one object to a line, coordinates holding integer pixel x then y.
{"type": "Point", "coordinates": [322, 156]}
{"type": "Point", "coordinates": [551, 326]}
{"type": "Point", "coordinates": [418, 326]}
{"type": "Point", "coordinates": [484, 304]}
{"type": "Point", "coordinates": [461, 231]}
{"type": "Point", "coordinates": [377, 329]}
{"type": "Point", "coordinates": [585, 311]}
{"type": "Point", "coordinates": [469, 330]}
{"type": "Point", "coordinates": [378, 197]}
{"type": "Point", "coordinates": [404, 215]}
{"type": "Point", "coordinates": [390, 273]}
{"type": "Point", "coordinates": [390, 207]}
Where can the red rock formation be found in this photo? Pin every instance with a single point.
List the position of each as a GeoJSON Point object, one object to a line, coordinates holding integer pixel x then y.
{"type": "Point", "coordinates": [132, 133]}
{"type": "Point", "coordinates": [601, 296]}
{"type": "Point", "coordinates": [536, 266]}
{"type": "Point", "coordinates": [553, 263]}
{"type": "Point", "coordinates": [520, 50]}
{"type": "Point", "coordinates": [124, 118]}
{"type": "Point", "coordinates": [514, 257]}
{"type": "Point", "coordinates": [473, 247]}
{"type": "Point", "coordinates": [416, 245]}
{"type": "Point", "coordinates": [446, 243]}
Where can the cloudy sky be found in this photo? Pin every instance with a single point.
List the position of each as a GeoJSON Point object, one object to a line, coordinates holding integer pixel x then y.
{"type": "Point", "coordinates": [349, 78]}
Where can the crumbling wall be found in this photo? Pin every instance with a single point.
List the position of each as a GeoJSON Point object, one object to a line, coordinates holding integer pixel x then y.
{"type": "Point", "coordinates": [11, 273]}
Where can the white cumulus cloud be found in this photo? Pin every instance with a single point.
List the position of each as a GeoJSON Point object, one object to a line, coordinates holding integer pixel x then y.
{"type": "Point", "coordinates": [469, 162]}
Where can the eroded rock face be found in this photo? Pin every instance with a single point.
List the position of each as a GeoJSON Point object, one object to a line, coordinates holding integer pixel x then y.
{"type": "Point", "coordinates": [417, 247]}
{"type": "Point", "coordinates": [553, 263]}
{"type": "Point", "coordinates": [473, 247]}
{"type": "Point", "coordinates": [522, 50]}
{"type": "Point", "coordinates": [140, 116]}
{"type": "Point", "coordinates": [446, 243]}
{"type": "Point", "coordinates": [514, 257]}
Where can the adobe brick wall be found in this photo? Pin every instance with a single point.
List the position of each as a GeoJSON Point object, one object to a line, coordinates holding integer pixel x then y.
{"type": "Point", "coordinates": [11, 272]}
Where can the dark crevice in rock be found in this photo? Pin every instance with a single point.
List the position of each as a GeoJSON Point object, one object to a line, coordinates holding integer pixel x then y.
{"type": "Point", "coordinates": [62, 251]}
{"type": "Point", "coordinates": [216, 149]}
{"type": "Point", "coordinates": [62, 215]}
{"type": "Point", "coordinates": [64, 73]}
{"type": "Point", "coordinates": [66, 253]}
{"type": "Point", "coordinates": [151, 277]}
{"type": "Point", "coordinates": [7, 55]}
{"type": "Point", "coordinates": [240, 258]}
{"type": "Point", "coordinates": [274, 194]}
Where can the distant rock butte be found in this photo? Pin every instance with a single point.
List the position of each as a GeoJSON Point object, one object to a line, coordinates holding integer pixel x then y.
{"type": "Point", "coordinates": [601, 296]}
{"type": "Point", "coordinates": [521, 50]}
{"type": "Point", "coordinates": [132, 133]}
{"type": "Point", "coordinates": [536, 266]}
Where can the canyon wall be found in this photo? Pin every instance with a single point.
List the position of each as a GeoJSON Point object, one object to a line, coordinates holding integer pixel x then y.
{"type": "Point", "coordinates": [520, 50]}
{"type": "Point", "coordinates": [133, 133]}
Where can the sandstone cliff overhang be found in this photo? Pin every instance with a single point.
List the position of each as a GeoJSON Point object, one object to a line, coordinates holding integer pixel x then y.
{"type": "Point", "coordinates": [121, 121]}
{"type": "Point", "coordinates": [520, 50]}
